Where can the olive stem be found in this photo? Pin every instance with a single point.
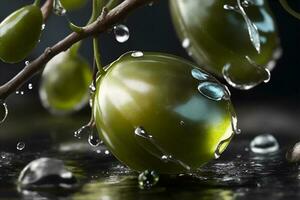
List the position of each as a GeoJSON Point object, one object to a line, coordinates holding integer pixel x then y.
{"type": "Point", "coordinates": [97, 55]}
{"type": "Point", "coordinates": [47, 9]}
{"type": "Point", "coordinates": [287, 8]}
{"type": "Point", "coordinates": [111, 4]}
{"type": "Point", "coordinates": [106, 20]}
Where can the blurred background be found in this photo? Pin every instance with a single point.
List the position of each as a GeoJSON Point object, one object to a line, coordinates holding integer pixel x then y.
{"type": "Point", "coordinates": [151, 30]}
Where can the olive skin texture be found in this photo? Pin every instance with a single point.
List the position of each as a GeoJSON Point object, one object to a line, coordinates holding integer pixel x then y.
{"type": "Point", "coordinates": [72, 4]}
{"type": "Point", "coordinates": [156, 93]}
{"type": "Point", "coordinates": [216, 37]}
{"type": "Point", "coordinates": [65, 83]}
{"type": "Point", "coordinates": [20, 33]}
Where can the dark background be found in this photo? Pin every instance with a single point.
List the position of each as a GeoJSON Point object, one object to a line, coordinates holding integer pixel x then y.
{"type": "Point", "coordinates": [151, 30]}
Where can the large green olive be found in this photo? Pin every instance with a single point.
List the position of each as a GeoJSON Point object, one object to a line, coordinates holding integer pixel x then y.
{"type": "Point", "coordinates": [19, 33]}
{"type": "Point", "coordinates": [65, 83]}
{"type": "Point", "coordinates": [72, 4]}
{"type": "Point", "coordinates": [234, 37]}
{"type": "Point", "coordinates": [160, 112]}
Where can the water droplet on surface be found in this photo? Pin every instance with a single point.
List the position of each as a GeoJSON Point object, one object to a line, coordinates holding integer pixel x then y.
{"type": "Point", "coordinates": [293, 154]}
{"type": "Point", "coordinates": [137, 54]}
{"type": "Point", "coordinates": [30, 86]}
{"type": "Point", "coordinates": [252, 29]}
{"type": "Point", "coordinates": [43, 26]}
{"type": "Point", "coordinates": [3, 111]}
{"type": "Point", "coordinates": [140, 132]}
{"type": "Point", "coordinates": [58, 9]}
{"type": "Point", "coordinates": [197, 74]}
{"type": "Point", "coordinates": [264, 144]}
{"type": "Point", "coordinates": [186, 43]}
{"type": "Point", "coordinates": [213, 91]}
{"type": "Point", "coordinates": [27, 62]}
{"type": "Point", "coordinates": [46, 172]}
{"type": "Point", "coordinates": [148, 179]}
{"type": "Point", "coordinates": [121, 33]}
{"type": "Point", "coordinates": [21, 146]}
{"type": "Point", "coordinates": [92, 88]}
{"type": "Point", "coordinates": [182, 123]}
{"type": "Point", "coordinates": [106, 152]}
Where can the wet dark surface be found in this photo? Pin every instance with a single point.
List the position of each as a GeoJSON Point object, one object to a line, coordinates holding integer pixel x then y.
{"type": "Point", "coordinates": [238, 174]}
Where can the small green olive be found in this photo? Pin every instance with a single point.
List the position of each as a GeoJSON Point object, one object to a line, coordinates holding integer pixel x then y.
{"type": "Point", "coordinates": [160, 112]}
{"type": "Point", "coordinates": [65, 83]}
{"type": "Point", "coordinates": [72, 4]}
{"type": "Point", "coordinates": [234, 38]}
{"type": "Point", "coordinates": [20, 33]}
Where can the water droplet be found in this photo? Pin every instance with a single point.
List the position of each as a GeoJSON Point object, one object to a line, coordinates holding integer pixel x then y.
{"type": "Point", "coordinates": [20, 146]}
{"type": "Point", "coordinates": [264, 144]}
{"type": "Point", "coordinates": [229, 7]}
{"type": "Point", "coordinates": [22, 92]}
{"type": "Point", "coordinates": [137, 54]}
{"type": "Point", "coordinates": [263, 73]}
{"type": "Point", "coordinates": [43, 26]}
{"type": "Point", "coordinates": [186, 43]}
{"type": "Point", "coordinates": [252, 29]}
{"type": "Point", "coordinates": [197, 74]}
{"type": "Point", "coordinates": [182, 123]}
{"type": "Point", "coordinates": [58, 9]}
{"type": "Point", "coordinates": [46, 172]}
{"type": "Point", "coordinates": [148, 179]}
{"type": "Point", "coordinates": [140, 132]}
{"type": "Point", "coordinates": [121, 33]}
{"type": "Point", "coordinates": [30, 86]}
{"type": "Point", "coordinates": [293, 154]}
{"type": "Point", "coordinates": [94, 139]}
{"type": "Point", "coordinates": [27, 62]}
{"type": "Point", "coordinates": [106, 152]}
{"type": "Point", "coordinates": [3, 111]}
{"type": "Point", "coordinates": [92, 88]}
{"type": "Point", "coordinates": [213, 91]}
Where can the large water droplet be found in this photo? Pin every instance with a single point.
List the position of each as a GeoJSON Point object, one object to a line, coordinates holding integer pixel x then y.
{"type": "Point", "coordinates": [148, 179]}
{"type": "Point", "coordinates": [263, 73]}
{"type": "Point", "coordinates": [58, 9]}
{"type": "Point", "coordinates": [213, 91]}
{"type": "Point", "coordinates": [199, 75]}
{"type": "Point", "coordinates": [3, 111]}
{"type": "Point", "coordinates": [121, 33]}
{"type": "Point", "coordinates": [264, 144]}
{"type": "Point", "coordinates": [46, 172]}
{"type": "Point", "coordinates": [21, 146]}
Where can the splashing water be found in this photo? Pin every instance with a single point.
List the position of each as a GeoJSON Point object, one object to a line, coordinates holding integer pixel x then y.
{"type": "Point", "coordinates": [264, 144]}
{"type": "Point", "coordinates": [3, 111]}
{"type": "Point", "coordinates": [252, 29]}
{"type": "Point", "coordinates": [140, 132]}
{"type": "Point", "coordinates": [148, 179]}
{"type": "Point", "coordinates": [58, 9]}
{"type": "Point", "coordinates": [122, 33]}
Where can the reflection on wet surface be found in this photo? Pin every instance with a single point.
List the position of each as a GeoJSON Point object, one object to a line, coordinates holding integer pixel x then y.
{"type": "Point", "coordinates": [238, 174]}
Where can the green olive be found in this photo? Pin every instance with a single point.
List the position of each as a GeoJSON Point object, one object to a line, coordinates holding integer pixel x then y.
{"type": "Point", "coordinates": [72, 4]}
{"type": "Point", "coordinates": [65, 83]}
{"type": "Point", "coordinates": [20, 33]}
{"type": "Point", "coordinates": [233, 38]}
{"type": "Point", "coordinates": [160, 112]}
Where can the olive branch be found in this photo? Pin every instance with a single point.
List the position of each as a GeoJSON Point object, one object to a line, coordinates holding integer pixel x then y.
{"type": "Point", "coordinates": [103, 23]}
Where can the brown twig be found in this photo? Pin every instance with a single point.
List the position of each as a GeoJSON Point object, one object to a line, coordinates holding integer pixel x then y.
{"type": "Point", "coordinates": [104, 22]}
{"type": "Point", "coordinates": [47, 9]}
